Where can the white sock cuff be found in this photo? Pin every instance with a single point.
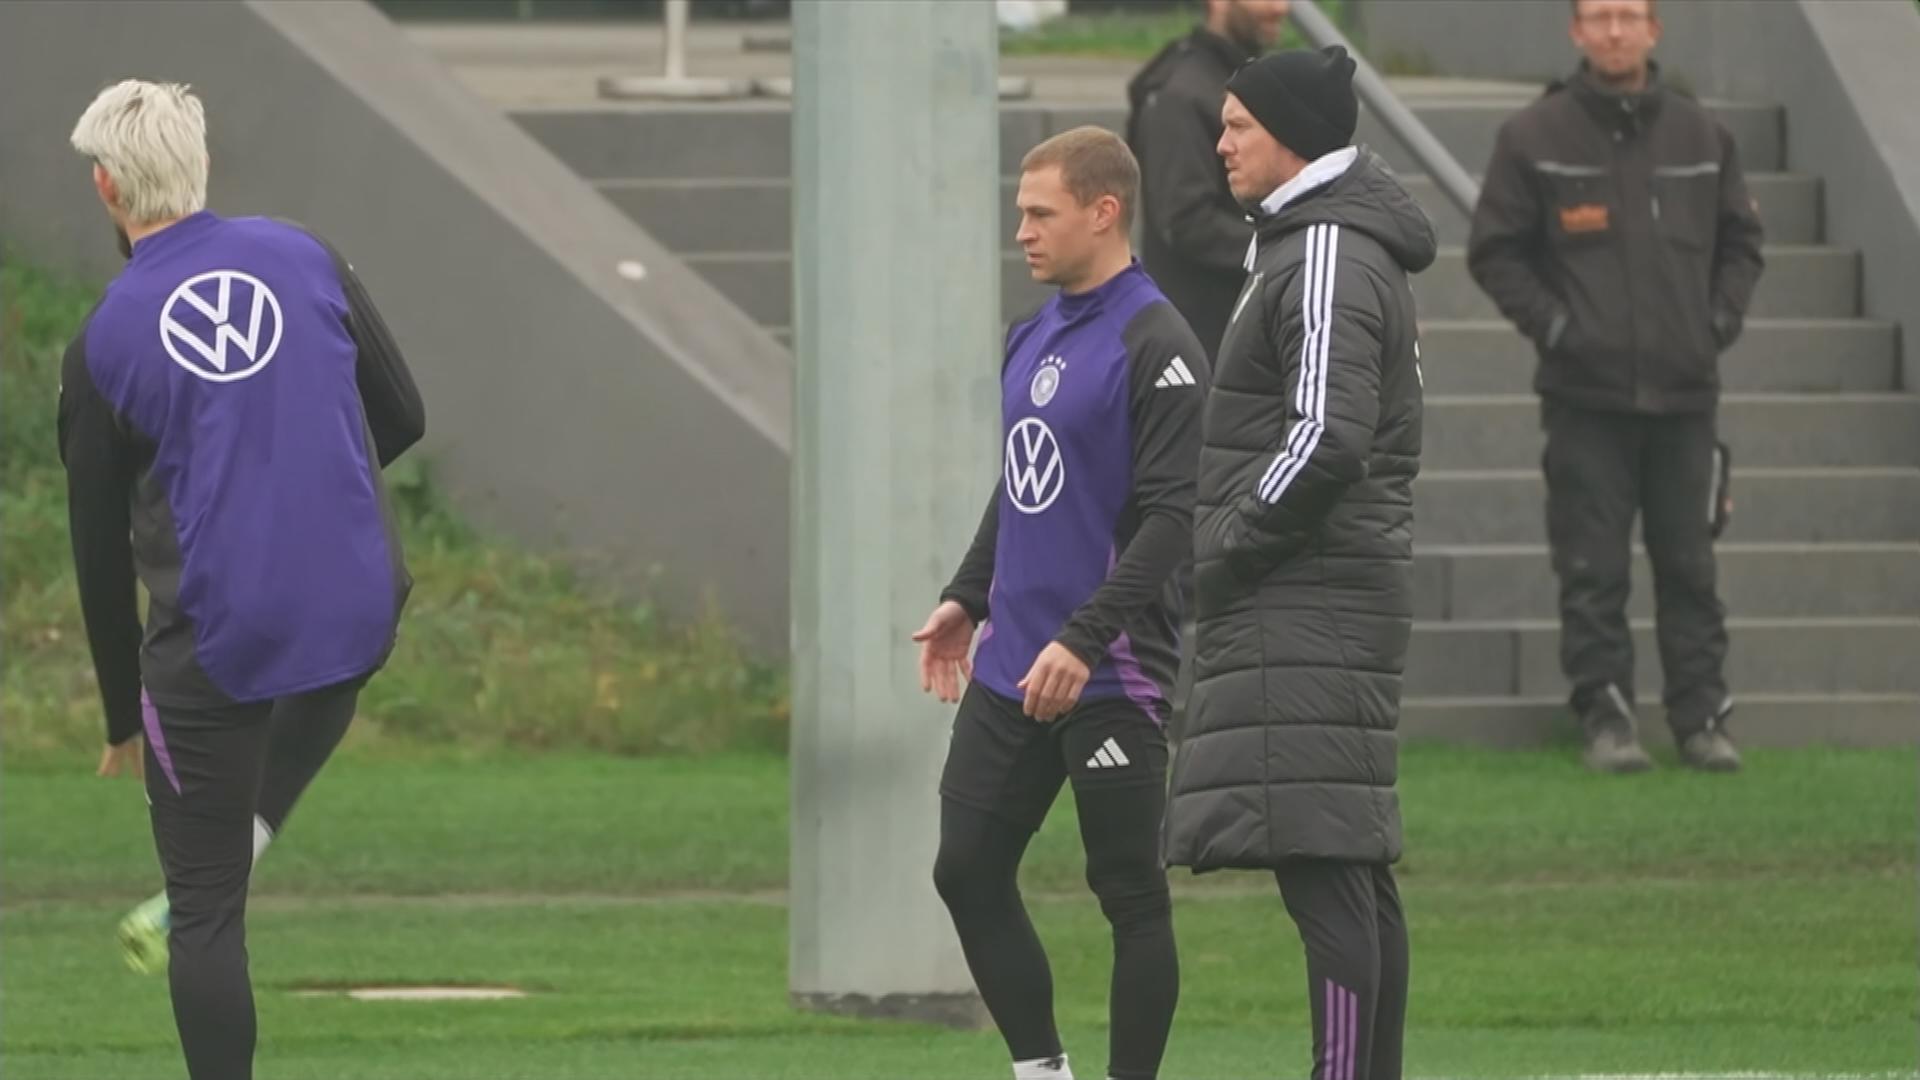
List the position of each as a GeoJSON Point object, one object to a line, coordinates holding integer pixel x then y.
{"type": "Point", "coordinates": [262, 836]}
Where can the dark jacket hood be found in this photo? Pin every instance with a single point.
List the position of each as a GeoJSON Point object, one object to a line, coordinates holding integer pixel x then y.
{"type": "Point", "coordinates": [1368, 199]}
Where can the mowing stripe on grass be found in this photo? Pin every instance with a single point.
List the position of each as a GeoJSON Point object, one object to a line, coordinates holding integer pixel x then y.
{"type": "Point", "coordinates": [1732, 1076]}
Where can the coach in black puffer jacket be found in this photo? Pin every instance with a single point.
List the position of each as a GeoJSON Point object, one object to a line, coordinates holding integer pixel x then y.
{"type": "Point", "coordinates": [1303, 540]}
{"type": "Point", "coordinates": [1305, 534]}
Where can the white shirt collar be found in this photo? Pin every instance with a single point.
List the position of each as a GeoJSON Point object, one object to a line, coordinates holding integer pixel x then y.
{"type": "Point", "coordinates": [1319, 172]}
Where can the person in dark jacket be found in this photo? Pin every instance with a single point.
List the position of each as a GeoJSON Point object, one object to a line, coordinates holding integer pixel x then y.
{"type": "Point", "coordinates": [224, 415]}
{"type": "Point", "coordinates": [1615, 231]}
{"type": "Point", "coordinates": [1303, 543]}
{"type": "Point", "coordinates": [1195, 234]}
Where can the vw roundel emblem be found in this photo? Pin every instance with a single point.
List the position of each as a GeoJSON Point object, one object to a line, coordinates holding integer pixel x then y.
{"type": "Point", "coordinates": [1036, 473]}
{"type": "Point", "coordinates": [222, 326]}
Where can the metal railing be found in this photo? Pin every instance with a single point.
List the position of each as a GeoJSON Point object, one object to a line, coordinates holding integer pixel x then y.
{"type": "Point", "coordinates": [1453, 181]}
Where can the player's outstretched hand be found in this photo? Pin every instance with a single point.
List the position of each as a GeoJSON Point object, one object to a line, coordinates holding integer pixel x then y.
{"type": "Point", "coordinates": [128, 757]}
{"type": "Point", "coordinates": [945, 643]}
{"type": "Point", "coordinates": [1054, 684]}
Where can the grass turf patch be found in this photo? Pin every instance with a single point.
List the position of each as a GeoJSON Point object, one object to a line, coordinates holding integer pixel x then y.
{"type": "Point", "coordinates": [1804, 976]}
{"type": "Point", "coordinates": [427, 823]}
{"type": "Point", "coordinates": [1561, 924]}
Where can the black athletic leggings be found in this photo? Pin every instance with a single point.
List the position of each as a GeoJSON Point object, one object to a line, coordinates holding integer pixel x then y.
{"type": "Point", "coordinates": [1356, 938]}
{"type": "Point", "coordinates": [209, 771]}
{"type": "Point", "coordinates": [976, 873]}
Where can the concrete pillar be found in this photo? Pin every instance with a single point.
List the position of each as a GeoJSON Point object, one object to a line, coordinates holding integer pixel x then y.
{"type": "Point", "coordinates": [896, 162]}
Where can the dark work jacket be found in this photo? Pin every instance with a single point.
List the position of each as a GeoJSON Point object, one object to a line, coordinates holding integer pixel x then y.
{"type": "Point", "coordinates": [1195, 234]}
{"type": "Point", "coordinates": [1616, 232]}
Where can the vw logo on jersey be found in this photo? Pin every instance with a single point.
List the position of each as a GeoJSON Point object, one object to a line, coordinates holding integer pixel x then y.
{"type": "Point", "coordinates": [1036, 473]}
{"type": "Point", "coordinates": [222, 326]}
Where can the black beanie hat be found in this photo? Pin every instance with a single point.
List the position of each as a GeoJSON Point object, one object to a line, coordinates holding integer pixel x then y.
{"type": "Point", "coordinates": [1303, 98]}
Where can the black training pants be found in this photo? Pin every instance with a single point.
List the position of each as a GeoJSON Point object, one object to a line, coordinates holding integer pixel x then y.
{"type": "Point", "coordinates": [1003, 773]}
{"type": "Point", "coordinates": [209, 771]}
{"type": "Point", "coordinates": [1356, 939]}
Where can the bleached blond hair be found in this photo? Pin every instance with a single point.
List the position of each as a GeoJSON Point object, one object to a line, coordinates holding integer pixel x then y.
{"type": "Point", "coordinates": [152, 139]}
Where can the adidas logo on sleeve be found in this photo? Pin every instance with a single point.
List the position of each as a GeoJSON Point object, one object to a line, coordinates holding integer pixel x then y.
{"type": "Point", "coordinates": [1177, 374]}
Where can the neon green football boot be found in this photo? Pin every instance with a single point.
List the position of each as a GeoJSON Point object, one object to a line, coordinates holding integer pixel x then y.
{"type": "Point", "coordinates": [143, 936]}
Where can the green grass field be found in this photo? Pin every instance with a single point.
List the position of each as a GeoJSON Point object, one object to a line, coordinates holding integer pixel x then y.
{"type": "Point", "coordinates": [1561, 924]}
{"type": "Point", "coordinates": [484, 825]}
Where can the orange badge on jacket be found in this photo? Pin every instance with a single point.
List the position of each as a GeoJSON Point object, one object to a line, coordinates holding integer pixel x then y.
{"type": "Point", "coordinates": [1585, 218]}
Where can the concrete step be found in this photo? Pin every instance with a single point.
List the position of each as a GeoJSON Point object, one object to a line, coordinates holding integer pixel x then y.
{"type": "Point", "coordinates": [1799, 430]}
{"type": "Point", "coordinates": [1809, 655]}
{"type": "Point", "coordinates": [1801, 282]}
{"type": "Point", "coordinates": [1772, 355]}
{"type": "Point", "coordinates": [1759, 720]}
{"type": "Point", "coordinates": [1468, 127]}
{"type": "Point", "coordinates": [731, 141]}
{"type": "Point", "coordinates": [753, 139]}
{"type": "Point", "coordinates": [1516, 581]}
{"type": "Point", "coordinates": [759, 283]}
{"type": "Point", "coordinates": [734, 215]}
{"type": "Point", "coordinates": [698, 217]}
{"type": "Point", "coordinates": [1507, 506]}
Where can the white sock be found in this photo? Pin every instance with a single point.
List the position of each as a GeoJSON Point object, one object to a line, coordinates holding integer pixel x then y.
{"type": "Point", "coordinates": [262, 836]}
{"type": "Point", "coordinates": [1053, 1068]}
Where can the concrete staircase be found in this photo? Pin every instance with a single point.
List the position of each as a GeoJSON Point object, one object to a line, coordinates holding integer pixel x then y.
{"type": "Point", "coordinates": [1820, 568]}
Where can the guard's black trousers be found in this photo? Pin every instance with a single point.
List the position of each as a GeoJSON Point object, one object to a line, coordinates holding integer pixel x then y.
{"type": "Point", "coordinates": [1356, 938]}
{"type": "Point", "coordinates": [209, 772]}
{"type": "Point", "coordinates": [1603, 468]}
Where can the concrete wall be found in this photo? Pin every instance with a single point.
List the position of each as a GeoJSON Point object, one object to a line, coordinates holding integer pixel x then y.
{"type": "Point", "coordinates": [629, 424]}
{"type": "Point", "coordinates": [1851, 107]}
{"type": "Point", "coordinates": [1527, 39]}
{"type": "Point", "coordinates": [1843, 69]}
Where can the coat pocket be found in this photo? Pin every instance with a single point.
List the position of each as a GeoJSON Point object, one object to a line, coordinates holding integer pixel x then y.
{"type": "Point", "coordinates": [1686, 203]}
{"type": "Point", "coordinates": [1582, 209]}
